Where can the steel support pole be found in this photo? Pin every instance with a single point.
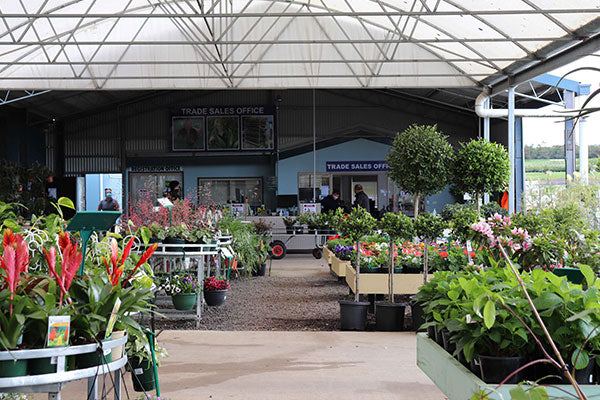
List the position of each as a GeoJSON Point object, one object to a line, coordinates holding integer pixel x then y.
{"type": "Point", "coordinates": [570, 154]}
{"type": "Point", "coordinates": [314, 110]}
{"type": "Point", "coordinates": [583, 152]}
{"type": "Point", "coordinates": [486, 137]}
{"type": "Point", "coordinates": [511, 148]}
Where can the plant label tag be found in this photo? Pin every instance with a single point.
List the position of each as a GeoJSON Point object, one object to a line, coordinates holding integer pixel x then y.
{"type": "Point", "coordinates": [113, 318]}
{"type": "Point", "coordinates": [469, 247]}
{"type": "Point", "coordinates": [58, 331]}
{"type": "Point", "coordinates": [106, 351]}
{"type": "Point", "coordinates": [54, 360]}
{"type": "Point", "coordinates": [138, 371]}
{"type": "Point", "coordinates": [468, 318]}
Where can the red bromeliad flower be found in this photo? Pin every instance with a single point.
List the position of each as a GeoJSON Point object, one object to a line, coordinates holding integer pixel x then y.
{"type": "Point", "coordinates": [147, 254]}
{"type": "Point", "coordinates": [71, 260]}
{"type": "Point", "coordinates": [118, 264]}
{"type": "Point", "coordinates": [443, 254]}
{"type": "Point", "coordinates": [14, 260]}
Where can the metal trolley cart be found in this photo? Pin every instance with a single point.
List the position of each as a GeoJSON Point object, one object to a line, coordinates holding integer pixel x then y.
{"type": "Point", "coordinates": [189, 258]}
{"type": "Point", "coordinates": [281, 242]}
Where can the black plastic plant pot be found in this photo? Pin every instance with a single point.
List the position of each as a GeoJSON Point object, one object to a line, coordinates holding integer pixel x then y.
{"type": "Point", "coordinates": [448, 345]}
{"type": "Point", "coordinates": [461, 359]}
{"type": "Point", "coordinates": [418, 316]}
{"type": "Point", "coordinates": [549, 374]}
{"type": "Point", "coordinates": [431, 332]}
{"type": "Point", "coordinates": [289, 230]}
{"type": "Point", "coordinates": [389, 317]}
{"type": "Point", "coordinates": [475, 368]}
{"type": "Point", "coordinates": [438, 336]}
{"type": "Point", "coordinates": [496, 369]}
{"type": "Point", "coordinates": [353, 315]}
{"type": "Point", "coordinates": [262, 270]}
{"type": "Point", "coordinates": [142, 374]}
{"type": "Point", "coordinates": [170, 240]}
{"type": "Point", "coordinates": [409, 269]}
{"type": "Point", "coordinates": [370, 270]}
{"type": "Point", "coordinates": [215, 298]}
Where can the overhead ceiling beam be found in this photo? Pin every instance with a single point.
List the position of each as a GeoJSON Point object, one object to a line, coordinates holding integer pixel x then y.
{"type": "Point", "coordinates": [576, 52]}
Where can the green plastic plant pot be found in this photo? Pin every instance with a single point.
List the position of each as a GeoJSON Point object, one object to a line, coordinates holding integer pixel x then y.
{"type": "Point", "coordinates": [10, 368]}
{"type": "Point", "coordinates": [142, 374]}
{"type": "Point", "coordinates": [94, 359]}
{"type": "Point", "coordinates": [41, 366]}
{"type": "Point", "coordinates": [184, 301]}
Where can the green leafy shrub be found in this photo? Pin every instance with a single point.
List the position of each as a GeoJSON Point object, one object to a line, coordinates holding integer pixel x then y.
{"type": "Point", "coordinates": [420, 161]}
{"type": "Point", "coordinates": [481, 167]}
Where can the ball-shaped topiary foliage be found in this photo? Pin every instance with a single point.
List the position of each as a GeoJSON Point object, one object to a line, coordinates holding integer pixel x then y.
{"type": "Point", "coordinates": [398, 226]}
{"type": "Point", "coordinates": [420, 161]}
{"type": "Point", "coordinates": [355, 225]}
{"type": "Point", "coordinates": [480, 167]}
{"type": "Point", "coordinates": [430, 226]}
{"type": "Point", "coordinates": [461, 223]}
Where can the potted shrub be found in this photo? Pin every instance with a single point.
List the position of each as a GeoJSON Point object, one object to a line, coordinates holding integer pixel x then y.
{"type": "Point", "coordinates": [428, 227]}
{"type": "Point", "coordinates": [139, 354]}
{"type": "Point", "coordinates": [215, 290]}
{"type": "Point", "coordinates": [390, 316]}
{"type": "Point", "coordinates": [353, 314]}
{"type": "Point", "coordinates": [420, 160]}
{"type": "Point", "coordinates": [481, 167]}
{"type": "Point", "coordinates": [183, 290]}
{"type": "Point", "coordinates": [176, 234]}
{"type": "Point", "coordinates": [289, 223]}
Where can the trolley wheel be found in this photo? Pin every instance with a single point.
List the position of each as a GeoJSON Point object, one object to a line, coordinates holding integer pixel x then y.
{"type": "Point", "coordinates": [317, 253]}
{"type": "Point", "coordinates": [278, 250]}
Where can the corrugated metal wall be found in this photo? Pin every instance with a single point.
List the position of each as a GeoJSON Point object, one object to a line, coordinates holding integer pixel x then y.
{"type": "Point", "coordinates": [93, 144]}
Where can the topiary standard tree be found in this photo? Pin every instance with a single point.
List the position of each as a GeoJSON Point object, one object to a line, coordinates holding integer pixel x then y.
{"type": "Point", "coordinates": [420, 161]}
{"type": "Point", "coordinates": [397, 226]}
{"type": "Point", "coordinates": [481, 167]}
{"type": "Point", "coordinates": [429, 227]}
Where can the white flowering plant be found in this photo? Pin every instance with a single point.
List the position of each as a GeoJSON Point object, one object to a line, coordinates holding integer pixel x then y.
{"type": "Point", "coordinates": [178, 284]}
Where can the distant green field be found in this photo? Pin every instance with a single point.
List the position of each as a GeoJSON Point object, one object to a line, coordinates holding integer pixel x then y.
{"type": "Point", "coordinates": [557, 165]}
{"type": "Point", "coordinates": [536, 176]}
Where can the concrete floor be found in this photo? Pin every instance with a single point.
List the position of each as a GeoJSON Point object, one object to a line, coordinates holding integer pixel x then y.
{"type": "Point", "coordinates": [287, 365]}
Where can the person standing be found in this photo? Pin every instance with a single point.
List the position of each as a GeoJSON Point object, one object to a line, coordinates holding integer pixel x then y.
{"type": "Point", "coordinates": [108, 203]}
{"type": "Point", "coordinates": [174, 191]}
{"type": "Point", "coordinates": [331, 202]}
{"type": "Point", "coordinates": [361, 198]}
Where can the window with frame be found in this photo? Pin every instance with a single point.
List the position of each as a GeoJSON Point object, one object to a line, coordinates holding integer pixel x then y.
{"type": "Point", "coordinates": [230, 190]}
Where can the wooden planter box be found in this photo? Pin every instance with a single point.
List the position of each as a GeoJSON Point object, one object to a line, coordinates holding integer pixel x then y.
{"type": "Point", "coordinates": [458, 383]}
{"type": "Point", "coordinates": [327, 255]}
{"type": "Point", "coordinates": [378, 283]}
{"type": "Point", "coordinates": [338, 266]}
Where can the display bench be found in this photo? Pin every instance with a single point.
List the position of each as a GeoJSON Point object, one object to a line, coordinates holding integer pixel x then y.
{"type": "Point", "coordinates": [338, 267]}
{"type": "Point", "coordinates": [458, 383]}
{"type": "Point", "coordinates": [186, 258]}
{"type": "Point", "coordinates": [53, 383]}
{"type": "Point", "coordinates": [378, 283]}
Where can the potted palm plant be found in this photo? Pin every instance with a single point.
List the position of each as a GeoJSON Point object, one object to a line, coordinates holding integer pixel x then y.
{"type": "Point", "coordinates": [353, 314]}
{"type": "Point", "coordinates": [390, 316]}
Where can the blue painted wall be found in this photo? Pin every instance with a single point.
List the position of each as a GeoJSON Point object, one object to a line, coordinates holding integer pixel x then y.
{"type": "Point", "coordinates": [354, 150]}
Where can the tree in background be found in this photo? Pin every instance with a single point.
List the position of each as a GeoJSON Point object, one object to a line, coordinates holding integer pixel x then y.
{"type": "Point", "coordinates": [481, 167]}
{"type": "Point", "coordinates": [420, 160]}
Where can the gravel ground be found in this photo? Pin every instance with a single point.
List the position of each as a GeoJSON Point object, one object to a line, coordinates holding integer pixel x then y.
{"type": "Point", "coordinates": [300, 295]}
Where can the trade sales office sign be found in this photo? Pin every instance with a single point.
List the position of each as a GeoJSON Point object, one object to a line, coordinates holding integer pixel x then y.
{"type": "Point", "coordinates": [356, 166]}
{"type": "Point", "coordinates": [223, 128]}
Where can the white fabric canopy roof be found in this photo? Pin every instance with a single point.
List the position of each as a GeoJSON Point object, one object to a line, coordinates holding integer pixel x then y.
{"type": "Point", "coordinates": [215, 44]}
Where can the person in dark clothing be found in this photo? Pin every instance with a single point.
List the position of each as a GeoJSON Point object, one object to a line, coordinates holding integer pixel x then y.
{"type": "Point", "coordinates": [108, 203]}
{"type": "Point", "coordinates": [174, 193]}
{"type": "Point", "coordinates": [331, 202]}
{"type": "Point", "coordinates": [361, 198]}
